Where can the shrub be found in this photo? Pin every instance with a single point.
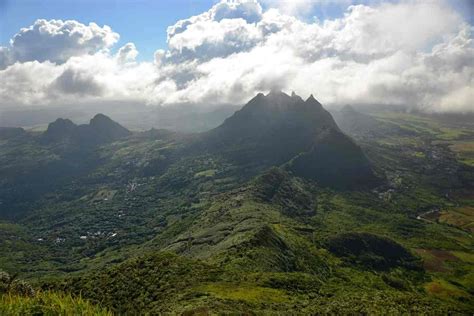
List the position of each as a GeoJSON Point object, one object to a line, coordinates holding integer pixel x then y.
{"type": "Point", "coordinates": [11, 285]}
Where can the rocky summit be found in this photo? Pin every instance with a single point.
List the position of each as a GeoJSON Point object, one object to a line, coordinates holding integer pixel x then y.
{"type": "Point", "coordinates": [278, 129]}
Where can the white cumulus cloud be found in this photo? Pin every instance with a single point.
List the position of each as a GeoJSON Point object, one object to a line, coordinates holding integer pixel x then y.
{"type": "Point", "coordinates": [127, 53]}
{"type": "Point", "coordinates": [408, 53]}
{"type": "Point", "coordinates": [56, 41]}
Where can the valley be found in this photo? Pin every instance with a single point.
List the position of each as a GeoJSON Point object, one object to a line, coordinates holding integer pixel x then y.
{"type": "Point", "coordinates": [285, 206]}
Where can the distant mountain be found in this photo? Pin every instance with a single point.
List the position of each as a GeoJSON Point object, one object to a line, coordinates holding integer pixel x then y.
{"type": "Point", "coordinates": [352, 121]}
{"type": "Point", "coordinates": [188, 118]}
{"type": "Point", "coordinates": [10, 132]}
{"type": "Point", "coordinates": [101, 129]}
{"type": "Point", "coordinates": [363, 124]}
{"type": "Point", "coordinates": [59, 130]}
{"type": "Point", "coordinates": [278, 129]}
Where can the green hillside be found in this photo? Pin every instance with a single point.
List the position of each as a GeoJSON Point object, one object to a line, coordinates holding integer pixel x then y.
{"type": "Point", "coordinates": [278, 210]}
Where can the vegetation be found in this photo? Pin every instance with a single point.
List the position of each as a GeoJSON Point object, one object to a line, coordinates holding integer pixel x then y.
{"type": "Point", "coordinates": [158, 222]}
{"type": "Point", "coordinates": [46, 303]}
{"type": "Point", "coordinates": [371, 251]}
{"type": "Point", "coordinates": [17, 297]}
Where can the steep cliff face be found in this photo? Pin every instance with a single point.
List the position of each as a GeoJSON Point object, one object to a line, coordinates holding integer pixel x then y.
{"type": "Point", "coordinates": [280, 129]}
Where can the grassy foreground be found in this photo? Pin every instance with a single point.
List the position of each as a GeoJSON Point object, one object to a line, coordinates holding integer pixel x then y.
{"type": "Point", "coordinates": [47, 303]}
{"type": "Point", "coordinates": [17, 297]}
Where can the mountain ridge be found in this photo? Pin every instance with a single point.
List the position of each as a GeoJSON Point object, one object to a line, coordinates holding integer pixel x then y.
{"type": "Point", "coordinates": [277, 129]}
{"type": "Point", "coordinates": [101, 129]}
{"type": "Point", "coordinates": [288, 233]}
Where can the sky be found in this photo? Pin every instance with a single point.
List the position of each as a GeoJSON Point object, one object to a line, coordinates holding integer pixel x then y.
{"type": "Point", "coordinates": [414, 53]}
{"type": "Point", "coordinates": [143, 22]}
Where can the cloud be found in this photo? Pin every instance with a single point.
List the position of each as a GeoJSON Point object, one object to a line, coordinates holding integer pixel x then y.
{"type": "Point", "coordinates": [26, 83]}
{"type": "Point", "coordinates": [301, 7]}
{"type": "Point", "coordinates": [56, 41]}
{"type": "Point", "coordinates": [78, 82]}
{"type": "Point", "coordinates": [392, 27]}
{"type": "Point", "coordinates": [127, 53]}
{"type": "Point", "coordinates": [248, 10]}
{"type": "Point", "coordinates": [226, 28]}
{"type": "Point", "coordinates": [100, 77]}
{"type": "Point", "coordinates": [410, 53]}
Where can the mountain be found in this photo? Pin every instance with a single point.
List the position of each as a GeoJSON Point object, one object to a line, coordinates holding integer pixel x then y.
{"type": "Point", "coordinates": [278, 129]}
{"type": "Point", "coordinates": [363, 126]}
{"type": "Point", "coordinates": [101, 129]}
{"type": "Point", "coordinates": [188, 118]}
{"type": "Point", "coordinates": [334, 160]}
{"type": "Point", "coordinates": [34, 165]}
{"type": "Point", "coordinates": [59, 130]}
{"type": "Point", "coordinates": [353, 122]}
{"type": "Point", "coordinates": [270, 213]}
{"type": "Point", "coordinates": [10, 132]}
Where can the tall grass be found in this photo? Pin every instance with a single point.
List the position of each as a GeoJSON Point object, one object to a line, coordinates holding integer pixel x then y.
{"type": "Point", "coordinates": [48, 304]}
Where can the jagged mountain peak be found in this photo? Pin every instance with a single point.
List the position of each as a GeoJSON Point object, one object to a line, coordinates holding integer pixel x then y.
{"type": "Point", "coordinates": [277, 129]}
{"type": "Point", "coordinates": [101, 129]}
{"type": "Point", "coordinates": [278, 101]}
{"type": "Point", "coordinates": [276, 110]}
{"type": "Point", "coordinates": [312, 101]}
{"type": "Point", "coordinates": [108, 127]}
{"type": "Point", "coordinates": [59, 129]}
